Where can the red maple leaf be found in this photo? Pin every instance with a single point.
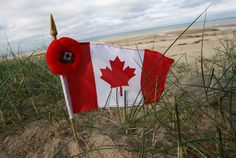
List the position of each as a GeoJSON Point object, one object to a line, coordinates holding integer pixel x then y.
{"type": "Point", "coordinates": [117, 76]}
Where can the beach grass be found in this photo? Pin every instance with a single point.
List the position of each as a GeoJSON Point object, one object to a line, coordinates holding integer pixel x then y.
{"type": "Point", "coordinates": [195, 116]}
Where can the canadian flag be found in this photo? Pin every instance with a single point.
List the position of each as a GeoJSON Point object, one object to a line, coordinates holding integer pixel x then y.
{"type": "Point", "coordinates": [101, 75]}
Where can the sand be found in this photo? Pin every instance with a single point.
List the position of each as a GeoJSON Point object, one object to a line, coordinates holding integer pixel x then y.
{"type": "Point", "coordinates": [188, 47]}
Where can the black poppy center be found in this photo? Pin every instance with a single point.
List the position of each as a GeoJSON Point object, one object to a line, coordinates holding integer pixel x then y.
{"type": "Point", "coordinates": [67, 57]}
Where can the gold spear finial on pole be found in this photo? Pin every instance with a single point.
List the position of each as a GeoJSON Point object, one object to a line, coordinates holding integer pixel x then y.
{"type": "Point", "coordinates": [53, 32]}
{"type": "Point", "coordinates": [53, 28]}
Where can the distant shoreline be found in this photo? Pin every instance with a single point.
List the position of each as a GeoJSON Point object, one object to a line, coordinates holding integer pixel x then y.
{"type": "Point", "coordinates": [189, 45]}
{"type": "Point", "coordinates": [225, 22]}
{"type": "Point", "coordinates": [144, 38]}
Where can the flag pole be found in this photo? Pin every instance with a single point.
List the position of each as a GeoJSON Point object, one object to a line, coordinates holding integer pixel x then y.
{"type": "Point", "coordinates": [53, 33]}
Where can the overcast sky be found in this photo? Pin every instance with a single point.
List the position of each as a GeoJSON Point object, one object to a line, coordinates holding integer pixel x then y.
{"type": "Point", "coordinates": [26, 22]}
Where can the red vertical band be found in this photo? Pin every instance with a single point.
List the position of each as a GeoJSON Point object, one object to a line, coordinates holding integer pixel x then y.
{"type": "Point", "coordinates": [154, 73]}
{"type": "Point", "coordinates": [81, 82]}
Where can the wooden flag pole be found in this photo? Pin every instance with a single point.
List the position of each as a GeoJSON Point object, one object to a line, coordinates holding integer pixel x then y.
{"type": "Point", "coordinates": [53, 32]}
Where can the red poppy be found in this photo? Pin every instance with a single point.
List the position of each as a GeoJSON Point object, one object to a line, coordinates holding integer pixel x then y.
{"type": "Point", "coordinates": [56, 53]}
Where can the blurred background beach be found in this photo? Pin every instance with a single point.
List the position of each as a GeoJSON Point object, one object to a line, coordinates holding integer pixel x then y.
{"type": "Point", "coordinates": [159, 38]}
{"type": "Point", "coordinates": [188, 47]}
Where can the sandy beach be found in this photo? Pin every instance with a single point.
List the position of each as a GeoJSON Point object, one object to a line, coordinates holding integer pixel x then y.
{"type": "Point", "coordinates": [188, 47]}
